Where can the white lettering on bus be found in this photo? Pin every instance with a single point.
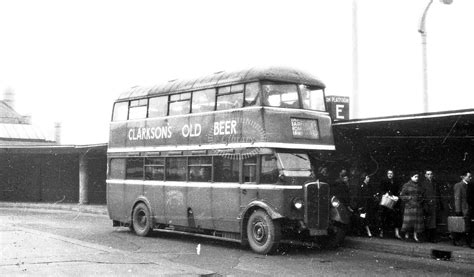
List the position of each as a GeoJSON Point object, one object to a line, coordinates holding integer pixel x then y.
{"type": "Point", "coordinates": [192, 130]}
{"type": "Point", "coordinates": [150, 133]}
{"type": "Point", "coordinates": [225, 127]}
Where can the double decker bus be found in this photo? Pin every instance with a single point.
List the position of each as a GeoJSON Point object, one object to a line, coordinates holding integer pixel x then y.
{"type": "Point", "coordinates": [228, 156]}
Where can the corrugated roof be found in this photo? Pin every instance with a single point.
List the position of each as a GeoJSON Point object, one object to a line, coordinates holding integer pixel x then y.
{"type": "Point", "coordinates": [225, 78]}
{"type": "Point", "coordinates": [8, 114]}
{"type": "Point", "coordinates": [10, 131]}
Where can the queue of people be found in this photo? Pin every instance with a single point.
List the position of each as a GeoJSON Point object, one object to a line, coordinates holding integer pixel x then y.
{"type": "Point", "coordinates": [409, 209]}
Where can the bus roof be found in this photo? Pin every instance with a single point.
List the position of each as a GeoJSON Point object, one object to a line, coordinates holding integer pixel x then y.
{"type": "Point", "coordinates": [224, 78]}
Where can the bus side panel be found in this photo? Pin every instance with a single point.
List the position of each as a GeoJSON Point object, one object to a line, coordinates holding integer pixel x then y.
{"type": "Point", "coordinates": [118, 134]}
{"type": "Point", "coordinates": [275, 197]}
{"type": "Point", "coordinates": [180, 131]}
{"type": "Point", "coordinates": [135, 134]}
{"type": "Point", "coordinates": [226, 207]}
{"type": "Point", "coordinates": [155, 194]}
{"type": "Point", "coordinates": [253, 127]}
{"type": "Point", "coordinates": [175, 205]}
{"type": "Point", "coordinates": [247, 195]}
{"type": "Point", "coordinates": [131, 193]}
{"type": "Point", "coordinates": [200, 129]}
{"type": "Point", "coordinates": [199, 201]}
{"type": "Point", "coordinates": [115, 207]}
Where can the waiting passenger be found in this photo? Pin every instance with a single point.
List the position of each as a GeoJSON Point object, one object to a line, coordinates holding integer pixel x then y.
{"type": "Point", "coordinates": [366, 207]}
{"type": "Point", "coordinates": [412, 197]}
{"type": "Point", "coordinates": [390, 218]}
{"type": "Point", "coordinates": [432, 205]}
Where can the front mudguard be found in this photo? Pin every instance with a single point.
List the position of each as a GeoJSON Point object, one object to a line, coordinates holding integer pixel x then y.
{"type": "Point", "coordinates": [340, 214]}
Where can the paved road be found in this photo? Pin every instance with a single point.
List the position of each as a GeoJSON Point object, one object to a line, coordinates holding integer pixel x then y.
{"type": "Point", "coordinates": [224, 258]}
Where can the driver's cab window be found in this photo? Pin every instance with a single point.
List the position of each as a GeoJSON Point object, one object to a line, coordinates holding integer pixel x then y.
{"type": "Point", "coordinates": [268, 169]}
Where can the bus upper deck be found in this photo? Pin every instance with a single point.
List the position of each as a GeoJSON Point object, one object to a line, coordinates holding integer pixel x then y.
{"type": "Point", "coordinates": [272, 107]}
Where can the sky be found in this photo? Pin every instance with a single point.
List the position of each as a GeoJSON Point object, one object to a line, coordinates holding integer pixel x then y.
{"type": "Point", "coordinates": [67, 61]}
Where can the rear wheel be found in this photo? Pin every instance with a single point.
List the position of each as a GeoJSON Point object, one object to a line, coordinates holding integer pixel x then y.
{"type": "Point", "coordinates": [141, 219]}
{"type": "Point", "coordinates": [263, 233]}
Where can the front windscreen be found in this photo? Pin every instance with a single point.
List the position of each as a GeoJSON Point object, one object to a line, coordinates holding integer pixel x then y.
{"type": "Point", "coordinates": [312, 98]}
{"type": "Point", "coordinates": [280, 95]}
{"type": "Point", "coordinates": [295, 164]}
{"type": "Point", "coordinates": [293, 96]}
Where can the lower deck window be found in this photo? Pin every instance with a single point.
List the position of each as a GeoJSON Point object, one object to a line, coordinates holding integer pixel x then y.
{"type": "Point", "coordinates": [134, 169]}
{"type": "Point", "coordinates": [226, 170]}
{"type": "Point", "coordinates": [250, 170]}
{"type": "Point", "coordinates": [176, 169]}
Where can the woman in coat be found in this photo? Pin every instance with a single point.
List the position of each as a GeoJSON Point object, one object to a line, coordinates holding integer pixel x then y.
{"type": "Point", "coordinates": [366, 204]}
{"type": "Point", "coordinates": [390, 218]}
{"type": "Point", "coordinates": [412, 196]}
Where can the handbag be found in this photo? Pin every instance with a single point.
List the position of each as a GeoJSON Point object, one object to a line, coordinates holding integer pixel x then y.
{"type": "Point", "coordinates": [457, 224]}
{"type": "Point", "coordinates": [388, 200]}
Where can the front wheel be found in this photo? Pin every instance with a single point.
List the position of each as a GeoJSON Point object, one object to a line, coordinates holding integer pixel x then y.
{"type": "Point", "coordinates": [141, 219]}
{"type": "Point", "coordinates": [263, 233]}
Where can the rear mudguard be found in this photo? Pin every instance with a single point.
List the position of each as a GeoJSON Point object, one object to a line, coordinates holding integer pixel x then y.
{"type": "Point", "coordinates": [340, 214]}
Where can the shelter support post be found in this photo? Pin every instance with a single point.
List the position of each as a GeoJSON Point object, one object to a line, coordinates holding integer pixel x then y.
{"type": "Point", "coordinates": [83, 180]}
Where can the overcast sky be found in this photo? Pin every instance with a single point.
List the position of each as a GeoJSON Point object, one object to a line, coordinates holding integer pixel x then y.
{"type": "Point", "coordinates": [68, 60]}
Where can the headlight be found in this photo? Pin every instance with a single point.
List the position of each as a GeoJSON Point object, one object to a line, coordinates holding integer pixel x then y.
{"type": "Point", "coordinates": [335, 202]}
{"type": "Point", "coordinates": [298, 203]}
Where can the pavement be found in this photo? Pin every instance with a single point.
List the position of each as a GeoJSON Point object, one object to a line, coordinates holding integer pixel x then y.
{"type": "Point", "coordinates": [443, 250]}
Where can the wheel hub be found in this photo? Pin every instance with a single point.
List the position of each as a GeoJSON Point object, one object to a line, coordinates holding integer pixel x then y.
{"type": "Point", "coordinates": [259, 231]}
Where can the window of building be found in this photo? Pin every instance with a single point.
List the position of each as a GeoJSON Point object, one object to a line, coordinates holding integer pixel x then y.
{"type": "Point", "coordinates": [226, 170]}
{"type": "Point", "coordinates": [155, 169]}
{"type": "Point", "coordinates": [180, 103]}
{"type": "Point", "coordinates": [176, 169]}
{"type": "Point", "coordinates": [203, 100]}
{"type": "Point", "coordinates": [250, 169]}
{"type": "Point", "coordinates": [120, 111]}
{"type": "Point", "coordinates": [138, 109]}
{"type": "Point", "coordinates": [158, 106]}
{"type": "Point", "coordinates": [134, 169]}
{"type": "Point", "coordinates": [200, 169]}
{"type": "Point", "coordinates": [230, 97]}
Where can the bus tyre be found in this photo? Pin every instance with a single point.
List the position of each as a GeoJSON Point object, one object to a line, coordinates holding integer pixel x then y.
{"type": "Point", "coordinates": [263, 233]}
{"type": "Point", "coordinates": [141, 220]}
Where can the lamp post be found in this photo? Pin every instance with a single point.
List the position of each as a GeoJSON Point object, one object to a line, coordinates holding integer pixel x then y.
{"type": "Point", "coordinates": [422, 31]}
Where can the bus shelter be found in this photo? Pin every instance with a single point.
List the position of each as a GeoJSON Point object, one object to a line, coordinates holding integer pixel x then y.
{"type": "Point", "coordinates": [53, 173]}
{"type": "Point", "coordinates": [441, 142]}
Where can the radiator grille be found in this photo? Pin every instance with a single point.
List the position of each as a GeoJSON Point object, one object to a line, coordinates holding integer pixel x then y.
{"type": "Point", "coordinates": [317, 205]}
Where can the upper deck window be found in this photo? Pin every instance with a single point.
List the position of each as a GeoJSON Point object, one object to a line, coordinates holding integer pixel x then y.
{"type": "Point", "coordinates": [203, 100]}
{"type": "Point", "coordinates": [180, 103]}
{"type": "Point", "coordinates": [138, 109]}
{"type": "Point", "coordinates": [158, 106]}
{"type": "Point", "coordinates": [312, 98]}
{"type": "Point", "coordinates": [281, 95]}
{"type": "Point", "coordinates": [120, 111]}
{"type": "Point", "coordinates": [230, 97]}
{"type": "Point", "coordinates": [251, 93]}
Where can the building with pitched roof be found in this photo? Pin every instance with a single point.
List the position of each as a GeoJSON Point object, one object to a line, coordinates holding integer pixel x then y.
{"type": "Point", "coordinates": [34, 168]}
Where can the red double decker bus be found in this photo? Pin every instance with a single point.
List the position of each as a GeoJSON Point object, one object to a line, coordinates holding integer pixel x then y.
{"type": "Point", "coordinates": [229, 156]}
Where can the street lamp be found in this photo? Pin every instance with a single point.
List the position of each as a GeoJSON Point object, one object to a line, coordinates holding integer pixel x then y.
{"type": "Point", "coordinates": [422, 31]}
